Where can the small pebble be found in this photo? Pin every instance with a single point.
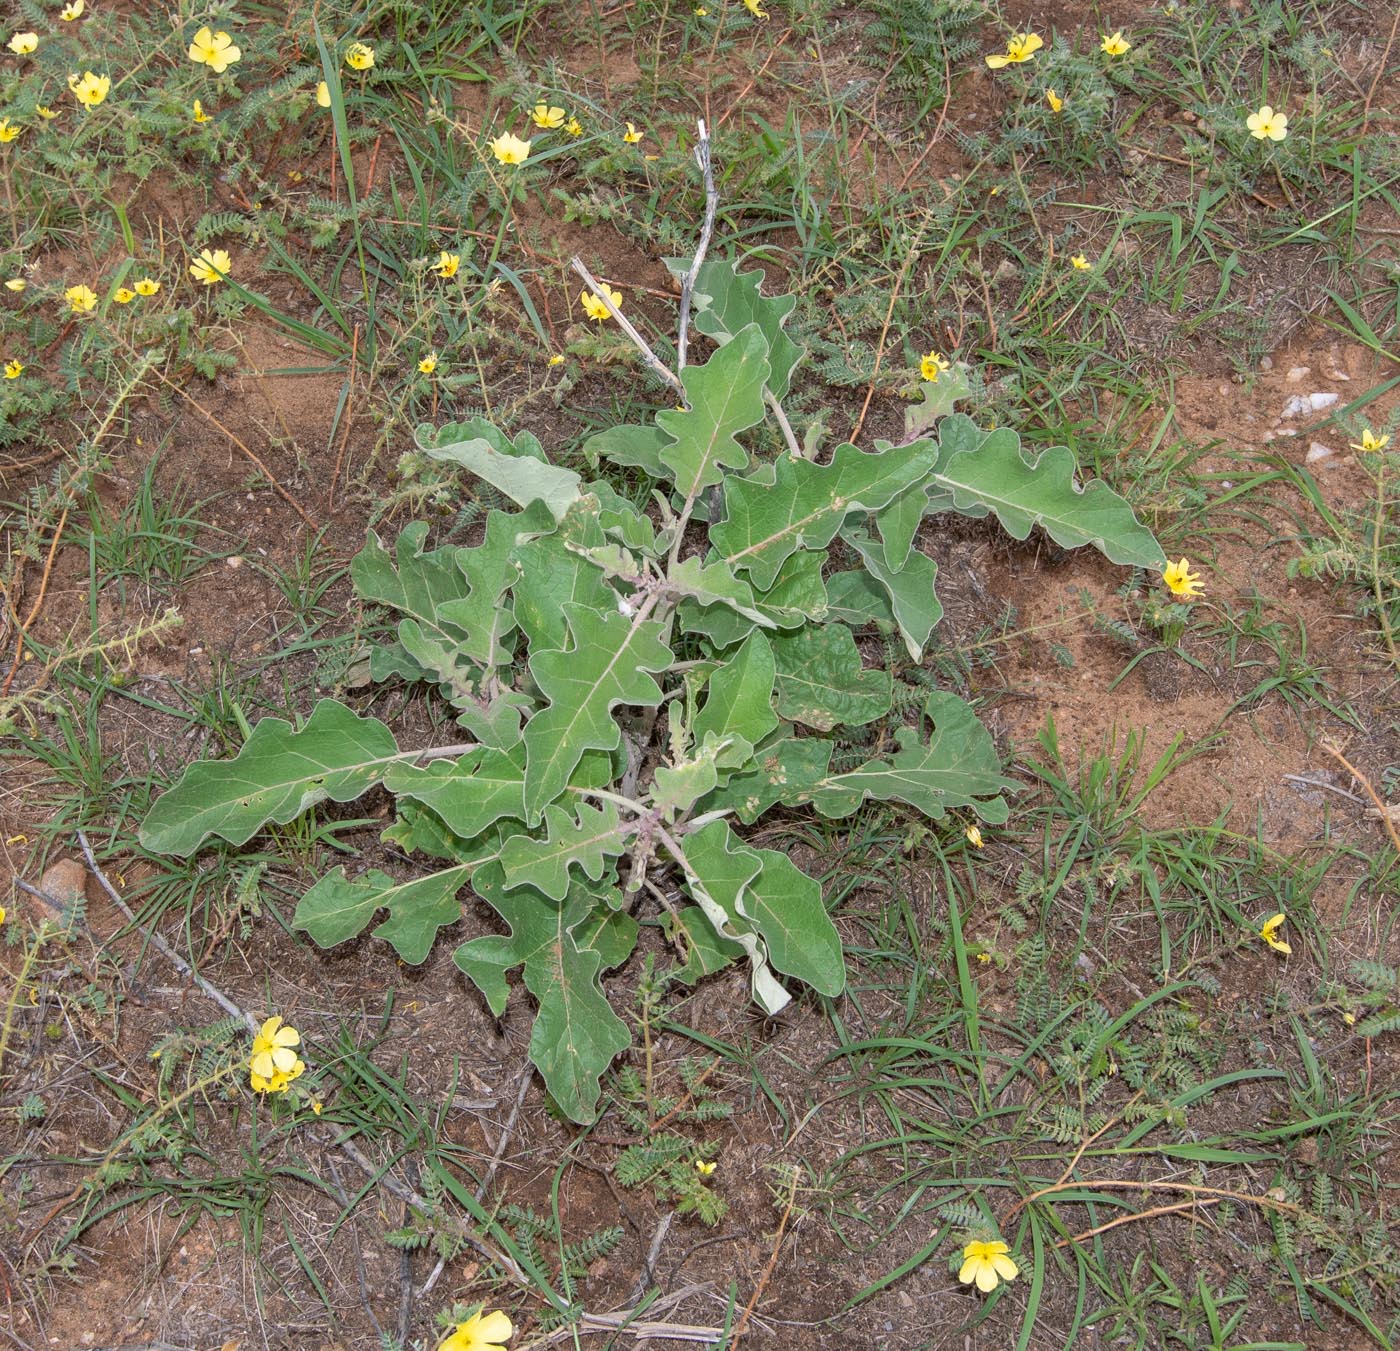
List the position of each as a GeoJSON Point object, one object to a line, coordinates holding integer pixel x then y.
{"type": "Point", "coordinates": [1301, 404]}
{"type": "Point", "coordinates": [1266, 363]}
{"type": "Point", "coordinates": [1297, 373]}
{"type": "Point", "coordinates": [1317, 451]}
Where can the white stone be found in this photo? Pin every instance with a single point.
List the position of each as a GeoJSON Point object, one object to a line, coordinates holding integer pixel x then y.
{"type": "Point", "coordinates": [1302, 404]}
{"type": "Point", "coordinates": [1297, 373]}
{"type": "Point", "coordinates": [1317, 451]}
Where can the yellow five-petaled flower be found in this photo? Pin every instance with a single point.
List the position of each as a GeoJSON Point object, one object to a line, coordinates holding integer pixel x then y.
{"type": "Point", "coordinates": [72, 11]}
{"type": "Point", "coordinates": [359, 56]}
{"type": "Point", "coordinates": [81, 299]}
{"type": "Point", "coordinates": [755, 9]}
{"type": "Point", "coordinates": [14, 368]}
{"type": "Point", "coordinates": [23, 43]}
{"type": "Point", "coordinates": [199, 114]}
{"type": "Point", "coordinates": [123, 295]}
{"type": "Point", "coordinates": [274, 1062]}
{"type": "Point", "coordinates": [1054, 100]}
{"type": "Point", "coordinates": [147, 286]}
{"type": "Point", "coordinates": [1268, 931]}
{"type": "Point", "coordinates": [211, 266]}
{"type": "Point", "coordinates": [1080, 263]}
{"type": "Point", "coordinates": [705, 1167]}
{"type": "Point", "coordinates": [429, 363]}
{"type": "Point", "coordinates": [632, 135]}
{"type": "Point", "coordinates": [574, 127]}
{"type": "Point", "coordinates": [1019, 47]}
{"type": "Point", "coordinates": [481, 1332]}
{"type": "Point", "coordinates": [45, 112]}
{"type": "Point", "coordinates": [1181, 581]}
{"type": "Point", "coordinates": [1115, 44]}
{"type": "Point", "coordinates": [215, 50]}
{"type": "Point", "coordinates": [1370, 441]}
{"type": "Point", "coordinates": [8, 131]}
{"type": "Point", "coordinates": [594, 308]}
{"type": "Point", "coordinates": [91, 89]}
{"type": "Point", "coordinates": [931, 366]}
{"type": "Point", "coordinates": [1267, 125]}
{"type": "Point", "coordinates": [447, 264]}
{"type": "Point", "coordinates": [988, 1265]}
{"type": "Point", "coordinates": [547, 118]}
{"type": "Point", "coordinates": [510, 149]}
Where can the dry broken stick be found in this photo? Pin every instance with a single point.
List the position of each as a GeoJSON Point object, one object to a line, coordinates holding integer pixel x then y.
{"type": "Point", "coordinates": [650, 357]}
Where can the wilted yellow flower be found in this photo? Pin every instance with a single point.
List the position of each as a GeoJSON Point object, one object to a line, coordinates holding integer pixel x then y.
{"type": "Point", "coordinates": [753, 8]}
{"type": "Point", "coordinates": [16, 284]}
{"type": "Point", "coordinates": [447, 264]}
{"type": "Point", "coordinates": [211, 266]}
{"type": "Point", "coordinates": [1054, 100]}
{"type": "Point", "coordinates": [23, 43]}
{"type": "Point", "coordinates": [14, 368]}
{"type": "Point", "coordinates": [594, 308]}
{"type": "Point", "coordinates": [1114, 45]}
{"type": "Point", "coordinates": [1267, 125]}
{"type": "Point", "coordinates": [481, 1332]}
{"type": "Point", "coordinates": [931, 365]}
{"type": "Point", "coordinates": [1269, 933]}
{"type": "Point", "coordinates": [547, 118]}
{"type": "Point", "coordinates": [147, 286]}
{"type": "Point", "coordinates": [359, 56]}
{"type": "Point", "coordinates": [988, 1265]}
{"type": "Point", "coordinates": [8, 131]}
{"type": "Point", "coordinates": [974, 837]}
{"type": "Point", "coordinates": [704, 1167]}
{"type": "Point", "coordinates": [574, 127]}
{"type": "Point", "coordinates": [510, 149]}
{"type": "Point", "coordinates": [123, 295]}
{"type": "Point", "coordinates": [199, 114]}
{"type": "Point", "coordinates": [1019, 47]}
{"type": "Point", "coordinates": [1181, 581]}
{"type": "Point", "coordinates": [1080, 263]}
{"type": "Point", "coordinates": [1370, 441]}
{"type": "Point", "coordinates": [91, 89]}
{"type": "Point", "coordinates": [323, 95]}
{"type": "Point", "coordinates": [632, 135]}
{"type": "Point", "coordinates": [215, 50]}
{"type": "Point", "coordinates": [72, 11]}
{"type": "Point", "coordinates": [429, 363]}
{"type": "Point", "coordinates": [81, 299]}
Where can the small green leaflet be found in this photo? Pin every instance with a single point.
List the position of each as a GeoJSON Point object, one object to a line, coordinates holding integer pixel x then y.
{"type": "Point", "coordinates": [821, 682]}
{"type": "Point", "coordinates": [807, 502]}
{"type": "Point", "coordinates": [606, 665]}
{"type": "Point", "coordinates": [338, 907]}
{"type": "Point", "coordinates": [725, 397]}
{"type": "Point", "coordinates": [584, 835]}
{"type": "Point", "coordinates": [277, 775]}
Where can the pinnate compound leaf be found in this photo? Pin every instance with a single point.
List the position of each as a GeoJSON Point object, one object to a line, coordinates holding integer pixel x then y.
{"type": "Point", "coordinates": [522, 478]}
{"type": "Point", "coordinates": [725, 397]}
{"type": "Point", "coordinates": [469, 793]}
{"type": "Point", "coordinates": [576, 1033]}
{"type": "Point", "coordinates": [338, 907]}
{"type": "Point", "coordinates": [1026, 491]}
{"type": "Point", "coordinates": [280, 772]}
{"type": "Point", "coordinates": [957, 766]}
{"type": "Point", "coordinates": [606, 665]}
{"type": "Point", "coordinates": [585, 836]}
{"type": "Point", "coordinates": [821, 682]}
{"type": "Point", "coordinates": [806, 503]}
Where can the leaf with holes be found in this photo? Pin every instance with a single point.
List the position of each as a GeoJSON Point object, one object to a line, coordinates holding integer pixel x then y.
{"type": "Point", "coordinates": [820, 680]}
{"type": "Point", "coordinates": [338, 907]}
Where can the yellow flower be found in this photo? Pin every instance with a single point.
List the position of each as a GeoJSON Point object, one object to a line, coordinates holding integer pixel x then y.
{"type": "Point", "coordinates": [45, 112]}
{"type": "Point", "coordinates": [1080, 263]}
{"type": "Point", "coordinates": [1181, 581]}
{"type": "Point", "coordinates": [316, 1105]}
{"type": "Point", "coordinates": [199, 114]}
{"type": "Point", "coordinates": [1019, 47]}
{"type": "Point", "coordinates": [556, 360]}
{"type": "Point", "coordinates": [323, 95]}
{"type": "Point", "coordinates": [215, 50]}
{"type": "Point", "coordinates": [2, 920]}
{"type": "Point", "coordinates": [632, 135]}
{"type": "Point", "coordinates": [429, 363]}
{"type": "Point", "coordinates": [14, 368]}
{"type": "Point", "coordinates": [1370, 441]}
{"type": "Point", "coordinates": [1269, 933]}
{"type": "Point", "coordinates": [16, 284]}
{"type": "Point", "coordinates": [23, 43]}
{"type": "Point", "coordinates": [211, 266]}
{"type": "Point", "coordinates": [447, 264]}
{"type": "Point", "coordinates": [1267, 125]}
{"type": "Point", "coordinates": [752, 7]}
{"type": "Point", "coordinates": [91, 89]}
{"type": "Point", "coordinates": [274, 1057]}
{"type": "Point", "coordinates": [1115, 45]}
{"type": "Point", "coordinates": [1054, 100]}
{"type": "Point", "coordinates": [974, 837]}
{"type": "Point", "coordinates": [81, 299]}
{"type": "Point", "coordinates": [574, 127]}
{"type": "Point", "coordinates": [359, 56]}
{"type": "Point", "coordinates": [988, 1265]}
{"type": "Point", "coordinates": [700, 11]}
{"type": "Point", "coordinates": [481, 1332]}
{"type": "Point", "coordinates": [547, 118]}
{"type": "Point", "coordinates": [8, 132]}
{"type": "Point", "coordinates": [594, 308]}
{"type": "Point", "coordinates": [931, 366]}
{"type": "Point", "coordinates": [510, 149]}
{"type": "Point", "coordinates": [147, 286]}
{"type": "Point", "coordinates": [72, 11]}
{"type": "Point", "coordinates": [123, 295]}
{"type": "Point", "coordinates": [705, 1168]}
